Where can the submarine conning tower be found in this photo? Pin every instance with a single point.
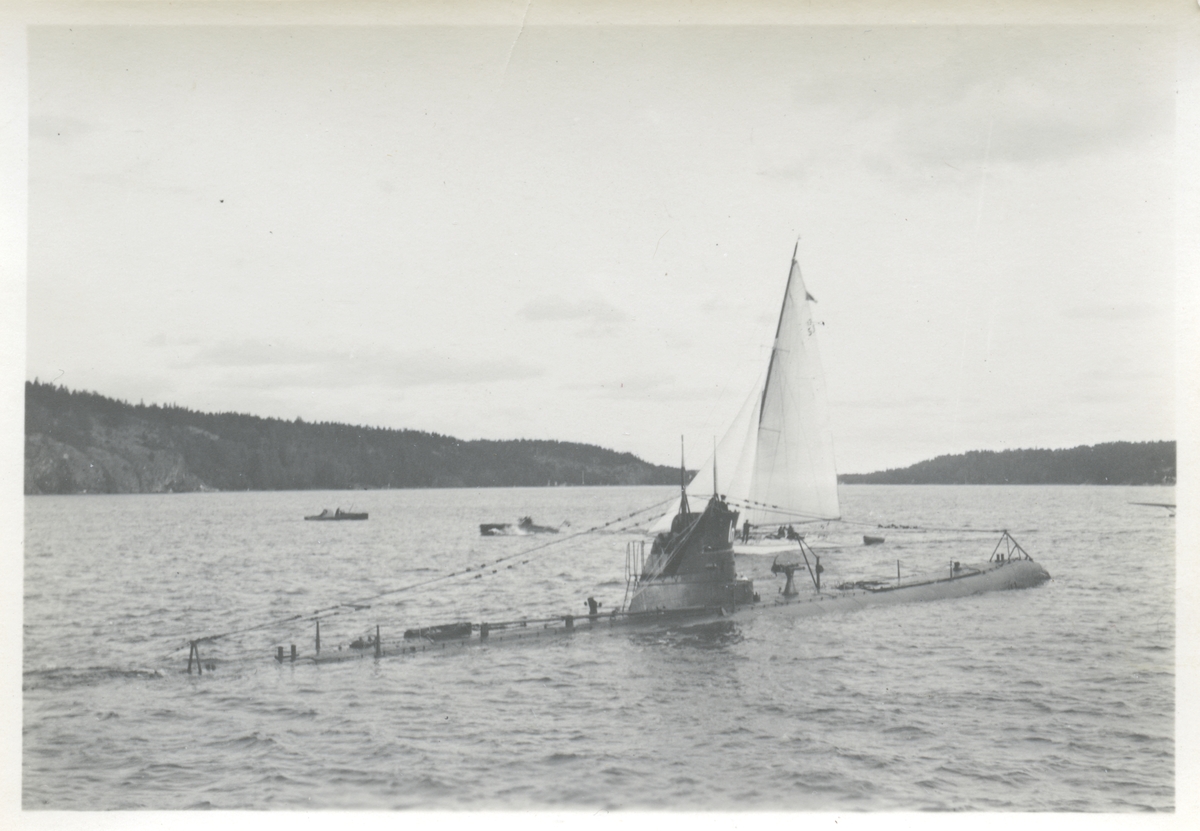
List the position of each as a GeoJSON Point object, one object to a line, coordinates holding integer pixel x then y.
{"type": "Point", "coordinates": [691, 566]}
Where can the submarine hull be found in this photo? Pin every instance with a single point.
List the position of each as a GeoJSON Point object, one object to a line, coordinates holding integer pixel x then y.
{"type": "Point", "coordinates": [987, 577]}
{"type": "Point", "coordinates": [970, 580]}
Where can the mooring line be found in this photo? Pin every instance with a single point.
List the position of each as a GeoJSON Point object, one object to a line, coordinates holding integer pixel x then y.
{"type": "Point", "coordinates": [481, 570]}
{"type": "Point", "coordinates": [363, 603]}
{"type": "Point", "coordinates": [803, 517]}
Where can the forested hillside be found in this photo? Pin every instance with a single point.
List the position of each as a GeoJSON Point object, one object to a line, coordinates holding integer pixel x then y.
{"type": "Point", "coordinates": [81, 442]}
{"type": "Point", "coordinates": [1115, 463]}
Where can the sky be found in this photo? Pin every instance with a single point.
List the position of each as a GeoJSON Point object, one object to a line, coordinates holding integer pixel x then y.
{"type": "Point", "coordinates": [583, 233]}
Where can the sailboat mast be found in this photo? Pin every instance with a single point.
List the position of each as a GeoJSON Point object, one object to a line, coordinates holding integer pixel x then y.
{"type": "Point", "coordinates": [779, 326]}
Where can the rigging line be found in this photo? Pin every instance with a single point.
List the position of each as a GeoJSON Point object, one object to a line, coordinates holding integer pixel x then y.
{"type": "Point", "coordinates": [687, 535]}
{"type": "Point", "coordinates": [522, 553]}
{"type": "Point", "coordinates": [358, 605]}
{"type": "Point", "coordinates": [334, 611]}
{"type": "Point", "coordinates": [363, 601]}
{"type": "Point", "coordinates": [340, 610]}
{"type": "Point", "coordinates": [754, 503]}
{"type": "Point", "coordinates": [750, 503]}
{"type": "Point", "coordinates": [893, 527]}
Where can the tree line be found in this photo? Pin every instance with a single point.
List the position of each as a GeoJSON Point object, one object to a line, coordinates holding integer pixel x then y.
{"type": "Point", "coordinates": [81, 441]}
{"type": "Point", "coordinates": [78, 441]}
{"type": "Point", "coordinates": [1113, 463]}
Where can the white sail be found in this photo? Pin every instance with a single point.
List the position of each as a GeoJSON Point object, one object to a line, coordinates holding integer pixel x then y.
{"type": "Point", "coordinates": [775, 463]}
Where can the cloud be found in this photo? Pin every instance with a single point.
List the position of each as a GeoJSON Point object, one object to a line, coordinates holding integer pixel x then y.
{"type": "Point", "coordinates": [593, 310]}
{"type": "Point", "coordinates": [656, 387]}
{"type": "Point", "coordinates": [263, 353]}
{"type": "Point", "coordinates": [885, 403]}
{"type": "Point", "coordinates": [1039, 116]}
{"type": "Point", "coordinates": [57, 127]}
{"type": "Point", "coordinates": [267, 365]}
{"type": "Point", "coordinates": [957, 96]}
{"type": "Point", "coordinates": [635, 385]}
{"type": "Point", "coordinates": [162, 340]}
{"type": "Point", "coordinates": [786, 171]}
{"type": "Point", "coordinates": [1112, 311]}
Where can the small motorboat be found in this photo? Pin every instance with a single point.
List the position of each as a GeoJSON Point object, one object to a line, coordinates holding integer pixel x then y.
{"type": "Point", "coordinates": [328, 515]}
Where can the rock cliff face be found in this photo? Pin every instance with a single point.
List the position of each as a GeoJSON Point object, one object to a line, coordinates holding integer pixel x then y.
{"type": "Point", "coordinates": [117, 462]}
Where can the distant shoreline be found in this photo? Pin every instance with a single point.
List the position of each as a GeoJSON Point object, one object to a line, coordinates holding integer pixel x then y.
{"type": "Point", "coordinates": [86, 443]}
{"type": "Point", "coordinates": [83, 442]}
{"type": "Point", "coordinates": [553, 487]}
{"type": "Point", "coordinates": [1112, 463]}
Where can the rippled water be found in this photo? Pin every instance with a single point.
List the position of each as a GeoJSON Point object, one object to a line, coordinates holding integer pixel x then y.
{"type": "Point", "coordinates": [1055, 698]}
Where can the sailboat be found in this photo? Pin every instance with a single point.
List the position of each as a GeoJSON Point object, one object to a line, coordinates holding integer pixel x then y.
{"type": "Point", "coordinates": [778, 463]}
{"type": "Point", "coordinates": [776, 458]}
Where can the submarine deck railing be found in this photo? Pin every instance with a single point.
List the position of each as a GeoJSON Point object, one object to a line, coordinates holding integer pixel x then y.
{"type": "Point", "coordinates": [1012, 549]}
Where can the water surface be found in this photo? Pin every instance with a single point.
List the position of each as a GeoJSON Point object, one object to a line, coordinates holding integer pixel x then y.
{"type": "Point", "coordinates": [1058, 698]}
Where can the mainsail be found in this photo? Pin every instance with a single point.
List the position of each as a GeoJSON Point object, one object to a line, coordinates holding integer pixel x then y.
{"type": "Point", "coordinates": [776, 460]}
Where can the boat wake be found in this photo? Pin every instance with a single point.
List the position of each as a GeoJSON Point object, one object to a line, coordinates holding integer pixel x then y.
{"type": "Point", "coordinates": [61, 678]}
{"type": "Point", "coordinates": [521, 528]}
